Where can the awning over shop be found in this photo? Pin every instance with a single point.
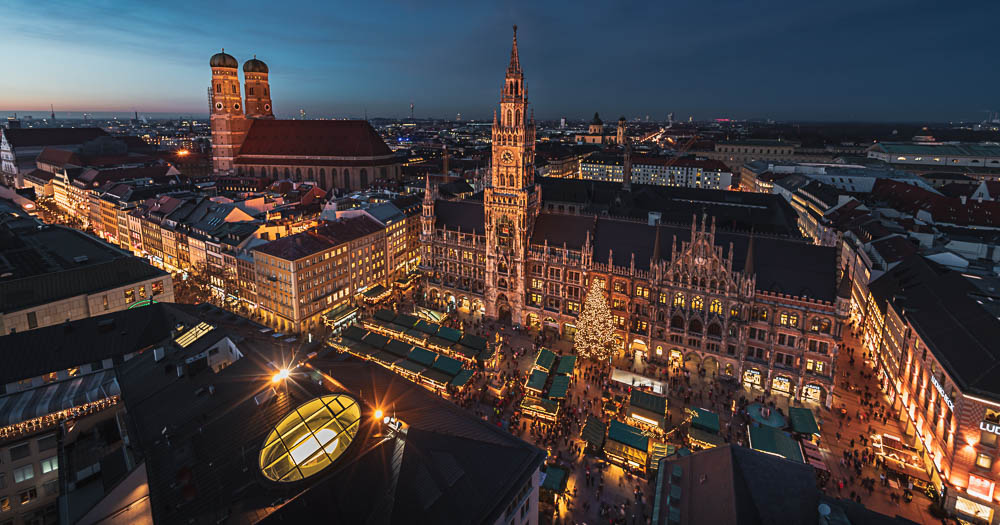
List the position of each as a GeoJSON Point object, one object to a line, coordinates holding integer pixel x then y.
{"type": "Point", "coordinates": [566, 365]}
{"type": "Point", "coordinates": [426, 327]}
{"type": "Point", "coordinates": [559, 387]}
{"type": "Point", "coordinates": [339, 314]}
{"type": "Point", "coordinates": [803, 420]}
{"type": "Point", "coordinates": [593, 431]}
{"type": "Point", "coordinates": [628, 435]}
{"type": "Point", "coordinates": [773, 441]}
{"type": "Point", "coordinates": [545, 359]}
{"type": "Point", "coordinates": [436, 376]}
{"type": "Point", "coordinates": [704, 420]}
{"type": "Point", "coordinates": [536, 380]}
{"type": "Point", "coordinates": [555, 478]}
{"type": "Point", "coordinates": [54, 397]}
{"type": "Point", "coordinates": [405, 321]}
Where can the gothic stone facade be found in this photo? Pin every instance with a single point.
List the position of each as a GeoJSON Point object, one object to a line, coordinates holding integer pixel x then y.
{"type": "Point", "coordinates": [762, 311]}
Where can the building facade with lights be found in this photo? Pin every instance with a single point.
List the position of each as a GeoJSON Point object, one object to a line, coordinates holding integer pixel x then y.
{"type": "Point", "coordinates": [348, 155]}
{"type": "Point", "coordinates": [763, 310]}
{"type": "Point", "coordinates": [932, 333]}
{"type": "Point", "coordinates": [301, 276]}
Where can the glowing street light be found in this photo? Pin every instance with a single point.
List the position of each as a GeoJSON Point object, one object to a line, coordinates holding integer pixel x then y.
{"type": "Point", "coordinates": [378, 413]}
{"type": "Point", "coordinates": [280, 375]}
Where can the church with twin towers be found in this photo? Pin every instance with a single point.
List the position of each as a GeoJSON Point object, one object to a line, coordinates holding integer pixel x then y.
{"type": "Point", "coordinates": [719, 282]}
{"type": "Point", "coordinates": [247, 139]}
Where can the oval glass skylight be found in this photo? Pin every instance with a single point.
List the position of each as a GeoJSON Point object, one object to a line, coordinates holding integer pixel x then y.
{"type": "Point", "coordinates": [310, 438]}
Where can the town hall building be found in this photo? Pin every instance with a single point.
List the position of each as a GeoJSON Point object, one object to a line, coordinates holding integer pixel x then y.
{"type": "Point", "coordinates": [719, 282]}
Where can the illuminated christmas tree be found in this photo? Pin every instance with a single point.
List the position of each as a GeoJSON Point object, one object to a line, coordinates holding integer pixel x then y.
{"type": "Point", "coordinates": [595, 328]}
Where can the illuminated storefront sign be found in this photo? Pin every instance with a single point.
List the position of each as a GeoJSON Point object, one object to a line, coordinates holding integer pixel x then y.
{"type": "Point", "coordinates": [940, 389]}
{"type": "Point", "coordinates": [990, 427]}
{"type": "Point", "coordinates": [980, 487]}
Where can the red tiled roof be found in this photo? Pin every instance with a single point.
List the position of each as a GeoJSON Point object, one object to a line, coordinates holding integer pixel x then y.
{"type": "Point", "coordinates": [39, 175]}
{"type": "Point", "coordinates": [911, 199]}
{"type": "Point", "coordinates": [894, 249]}
{"type": "Point", "coordinates": [58, 157]}
{"type": "Point", "coordinates": [260, 161]}
{"type": "Point", "coordinates": [314, 138]}
{"type": "Point", "coordinates": [34, 137]}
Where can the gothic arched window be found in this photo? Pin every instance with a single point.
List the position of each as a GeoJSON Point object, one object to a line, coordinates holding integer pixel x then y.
{"type": "Point", "coordinates": [715, 307]}
{"type": "Point", "coordinates": [509, 120]}
{"type": "Point", "coordinates": [218, 88]}
{"type": "Point", "coordinates": [697, 303]}
{"type": "Point", "coordinates": [287, 173]}
{"type": "Point", "coordinates": [347, 180]}
{"type": "Point", "coordinates": [679, 300]}
{"type": "Point", "coordinates": [275, 172]}
{"type": "Point", "coordinates": [309, 174]}
{"type": "Point", "coordinates": [298, 174]}
{"type": "Point", "coordinates": [322, 177]}
{"type": "Point", "coordinates": [364, 178]}
{"type": "Point", "coordinates": [517, 117]}
{"type": "Point", "coordinates": [234, 88]}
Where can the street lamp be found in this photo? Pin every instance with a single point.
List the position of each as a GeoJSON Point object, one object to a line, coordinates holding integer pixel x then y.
{"type": "Point", "coordinates": [280, 375]}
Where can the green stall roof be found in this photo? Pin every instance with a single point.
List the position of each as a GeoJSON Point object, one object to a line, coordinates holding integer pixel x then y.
{"type": "Point", "coordinates": [803, 420]}
{"type": "Point", "coordinates": [427, 327]}
{"type": "Point", "coordinates": [593, 431]}
{"type": "Point", "coordinates": [405, 320]}
{"type": "Point", "coordinates": [488, 352]}
{"type": "Point", "coordinates": [474, 342]}
{"type": "Point", "coordinates": [628, 435]}
{"type": "Point", "coordinates": [555, 479]}
{"type": "Point", "coordinates": [449, 334]}
{"type": "Point", "coordinates": [461, 378]}
{"type": "Point", "coordinates": [646, 401]}
{"type": "Point", "coordinates": [385, 357]}
{"type": "Point", "coordinates": [540, 405]}
{"type": "Point", "coordinates": [408, 365]}
{"type": "Point", "coordinates": [536, 381]}
{"type": "Point", "coordinates": [354, 332]}
{"type": "Point", "coordinates": [398, 347]}
{"type": "Point", "coordinates": [437, 376]}
{"type": "Point", "coordinates": [385, 315]}
{"type": "Point", "coordinates": [422, 356]}
{"type": "Point", "coordinates": [545, 359]}
{"type": "Point", "coordinates": [377, 340]}
{"type": "Point", "coordinates": [705, 420]}
{"type": "Point", "coordinates": [566, 365]}
{"type": "Point", "coordinates": [448, 365]}
{"type": "Point", "coordinates": [774, 441]}
{"type": "Point", "coordinates": [559, 387]}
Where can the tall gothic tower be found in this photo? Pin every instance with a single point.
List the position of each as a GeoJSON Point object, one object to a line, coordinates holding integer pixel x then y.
{"type": "Point", "coordinates": [258, 92]}
{"type": "Point", "coordinates": [227, 121]}
{"type": "Point", "coordinates": [511, 198]}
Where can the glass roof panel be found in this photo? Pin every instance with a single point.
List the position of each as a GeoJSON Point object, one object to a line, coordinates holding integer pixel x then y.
{"type": "Point", "coordinates": [310, 438]}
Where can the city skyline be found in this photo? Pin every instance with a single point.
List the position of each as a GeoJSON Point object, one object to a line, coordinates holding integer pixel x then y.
{"type": "Point", "coordinates": [732, 62]}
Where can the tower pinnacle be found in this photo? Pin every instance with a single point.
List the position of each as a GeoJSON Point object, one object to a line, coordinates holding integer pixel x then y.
{"type": "Point", "coordinates": [515, 64]}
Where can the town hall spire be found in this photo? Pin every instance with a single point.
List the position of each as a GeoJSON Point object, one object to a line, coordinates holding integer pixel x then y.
{"type": "Point", "coordinates": [515, 63]}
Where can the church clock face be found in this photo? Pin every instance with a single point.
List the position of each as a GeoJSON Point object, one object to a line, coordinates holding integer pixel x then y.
{"type": "Point", "coordinates": [507, 158]}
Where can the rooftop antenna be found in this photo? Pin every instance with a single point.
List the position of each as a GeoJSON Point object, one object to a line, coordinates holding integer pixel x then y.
{"type": "Point", "coordinates": [411, 110]}
{"type": "Point", "coordinates": [53, 109]}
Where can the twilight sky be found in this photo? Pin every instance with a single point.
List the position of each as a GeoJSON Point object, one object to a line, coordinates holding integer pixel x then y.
{"type": "Point", "coordinates": [910, 60]}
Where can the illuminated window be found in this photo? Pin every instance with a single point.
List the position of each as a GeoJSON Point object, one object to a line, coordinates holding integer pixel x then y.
{"type": "Point", "coordinates": [129, 296]}
{"type": "Point", "coordinates": [310, 438]}
{"type": "Point", "coordinates": [715, 307]}
{"type": "Point", "coordinates": [984, 460]}
{"type": "Point", "coordinates": [679, 300]}
{"type": "Point", "coordinates": [697, 303]}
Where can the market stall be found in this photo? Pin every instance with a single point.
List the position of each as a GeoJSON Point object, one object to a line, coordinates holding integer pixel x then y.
{"type": "Point", "coordinates": [627, 446]}
{"type": "Point", "coordinates": [538, 408]}
{"type": "Point", "coordinates": [647, 409]}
